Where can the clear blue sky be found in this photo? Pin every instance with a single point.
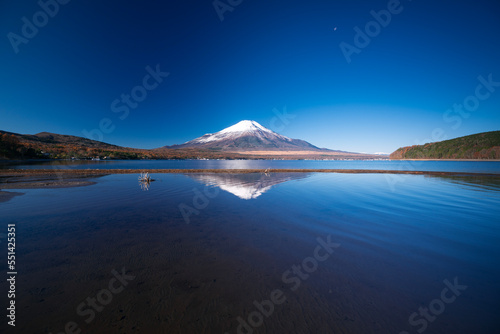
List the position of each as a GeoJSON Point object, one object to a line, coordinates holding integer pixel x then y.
{"type": "Point", "coordinates": [264, 55]}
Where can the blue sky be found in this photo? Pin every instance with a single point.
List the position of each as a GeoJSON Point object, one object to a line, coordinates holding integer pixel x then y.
{"type": "Point", "coordinates": [263, 56]}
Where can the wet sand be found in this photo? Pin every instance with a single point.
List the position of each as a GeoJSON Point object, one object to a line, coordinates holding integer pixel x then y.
{"type": "Point", "coordinates": [6, 196]}
{"type": "Point", "coordinates": [43, 180]}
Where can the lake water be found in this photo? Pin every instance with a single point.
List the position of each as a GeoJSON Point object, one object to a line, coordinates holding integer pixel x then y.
{"type": "Point", "coordinates": [256, 253]}
{"type": "Point", "coordinates": [438, 166]}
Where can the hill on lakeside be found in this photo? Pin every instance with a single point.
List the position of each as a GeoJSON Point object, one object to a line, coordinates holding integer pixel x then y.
{"type": "Point", "coordinates": [485, 145]}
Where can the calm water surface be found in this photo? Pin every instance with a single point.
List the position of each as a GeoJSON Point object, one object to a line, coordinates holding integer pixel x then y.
{"type": "Point", "coordinates": [203, 253]}
{"type": "Point", "coordinates": [450, 166]}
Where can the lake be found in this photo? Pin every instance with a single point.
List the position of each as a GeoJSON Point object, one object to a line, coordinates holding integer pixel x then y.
{"type": "Point", "coordinates": [437, 166]}
{"type": "Point", "coordinates": [260, 253]}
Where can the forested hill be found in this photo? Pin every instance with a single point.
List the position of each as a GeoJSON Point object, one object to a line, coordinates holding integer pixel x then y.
{"type": "Point", "coordinates": [484, 145]}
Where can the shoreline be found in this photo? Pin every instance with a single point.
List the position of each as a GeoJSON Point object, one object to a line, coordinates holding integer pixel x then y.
{"type": "Point", "coordinates": [483, 160]}
{"type": "Point", "coordinates": [42, 181]}
{"type": "Point", "coordinates": [270, 158]}
{"type": "Point", "coordinates": [103, 172]}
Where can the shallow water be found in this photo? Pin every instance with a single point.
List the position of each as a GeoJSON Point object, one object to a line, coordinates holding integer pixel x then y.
{"type": "Point", "coordinates": [439, 166]}
{"type": "Point", "coordinates": [203, 248]}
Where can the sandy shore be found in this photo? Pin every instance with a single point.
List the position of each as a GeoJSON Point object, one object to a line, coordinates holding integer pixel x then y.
{"type": "Point", "coordinates": [42, 180]}
{"type": "Point", "coordinates": [6, 196]}
{"type": "Point", "coordinates": [39, 181]}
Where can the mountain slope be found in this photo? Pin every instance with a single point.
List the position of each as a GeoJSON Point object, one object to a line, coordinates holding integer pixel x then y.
{"type": "Point", "coordinates": [484, 145]}
{"type": "Point", "coordinates": [245, 136]}
{"type": "Point", "coordinates": [54, 138]}
{"type": "Point", "coordinates": [52, 145]}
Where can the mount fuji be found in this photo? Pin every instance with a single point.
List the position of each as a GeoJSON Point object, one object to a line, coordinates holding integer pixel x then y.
{"type": "Point", "coordinates": [246, 136]}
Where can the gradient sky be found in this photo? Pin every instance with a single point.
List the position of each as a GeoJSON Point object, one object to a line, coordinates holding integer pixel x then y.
{"type": "Point", "coordinates": [264, 56]}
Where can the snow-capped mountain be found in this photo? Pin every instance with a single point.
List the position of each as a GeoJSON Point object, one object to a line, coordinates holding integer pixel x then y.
{"type": "Point", "coordinates": [247, 135]}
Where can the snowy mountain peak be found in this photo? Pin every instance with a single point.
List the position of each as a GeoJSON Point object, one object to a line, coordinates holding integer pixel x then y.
{"type": "Point", "coordinates": [242, 128]}
{"type": "Point", "coordinates": [245, 126]}
{"type": "Point", "coordinates": [246, 135]}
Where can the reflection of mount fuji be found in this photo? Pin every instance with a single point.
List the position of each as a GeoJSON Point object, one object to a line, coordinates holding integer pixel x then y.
{"type": "Point", "coordinates": [246, 186]}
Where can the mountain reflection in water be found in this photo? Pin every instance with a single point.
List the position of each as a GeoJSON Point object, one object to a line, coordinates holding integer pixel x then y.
{"type": "Point", "coordinates": [489, 182]}
{"type": "Point", "coordinates": [246, 186]}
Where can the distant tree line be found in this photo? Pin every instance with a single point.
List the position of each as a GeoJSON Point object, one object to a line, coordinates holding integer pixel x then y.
{"type": "Point", "coordinates": [11, 148]}
{"type": "Point", "coordinates": [479, 146]}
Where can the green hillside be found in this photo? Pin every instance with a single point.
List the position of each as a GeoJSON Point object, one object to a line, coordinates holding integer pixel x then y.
{"type": "Point", "coordinates": [484, 145]}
